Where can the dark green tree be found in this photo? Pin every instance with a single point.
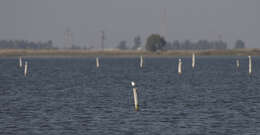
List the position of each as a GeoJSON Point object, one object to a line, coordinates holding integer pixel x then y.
{"type": "Point", "coordinates": [239, 44]}
{"type": "Point", "coordinates": [137, 43]}
{"type": "Point", "coordinates": [122, 45]}
{"type": "Point", "coordinates": [155, 43]}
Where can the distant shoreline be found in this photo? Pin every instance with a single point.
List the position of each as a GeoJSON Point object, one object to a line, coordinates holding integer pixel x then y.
{"type": "Point", "coordinates": [128, 53]}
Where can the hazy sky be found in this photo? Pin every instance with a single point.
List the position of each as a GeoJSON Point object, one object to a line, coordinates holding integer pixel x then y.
{"type": "Point", "coordinates": [124, 19]}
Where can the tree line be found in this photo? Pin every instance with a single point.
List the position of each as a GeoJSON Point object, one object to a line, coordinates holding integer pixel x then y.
{"type": "Point", "coordinates": [24, 44]}
{"type": "Point", "coordinates": [199, 45]}
{"type": "Point", "coordinates": [155, 42]}
{"type": "Point", "coordinates": [122, 45]}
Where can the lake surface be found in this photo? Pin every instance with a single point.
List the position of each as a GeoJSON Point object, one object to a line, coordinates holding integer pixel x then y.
{"type": "Point", "coordinates": [70, 96]}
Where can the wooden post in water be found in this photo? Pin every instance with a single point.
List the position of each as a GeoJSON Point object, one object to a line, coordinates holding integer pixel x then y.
{"type": "Point", "coordinates": [250, 65]}
{"type": "Point", "coordinates": [20, 62]}
{"type": "Point", "coordinates": [179, 67]}
{"type": "Point", "coordinates": [237, 63]}
{"type": "Point", "coordinates": [25, 68]}
{"type": "Point", "coordinates": [141, 62]}
{"type": "Point", "coordinates": [193, 60]}
{"type": "Point", "coordinates": [135, 96]}
{"type": "Point", "coordinates": [97, 62]}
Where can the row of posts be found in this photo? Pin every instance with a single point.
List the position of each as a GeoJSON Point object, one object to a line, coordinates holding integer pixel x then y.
{"type": "Point", "coordinates": [142, 61]}
{"type": "Point", "coordinates": [141, 66]}
{"type": "Point", "coordinates": [179, 72]}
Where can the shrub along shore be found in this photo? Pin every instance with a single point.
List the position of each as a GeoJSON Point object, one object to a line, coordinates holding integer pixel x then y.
{"type": "Point", "coordinates": [128, 53]}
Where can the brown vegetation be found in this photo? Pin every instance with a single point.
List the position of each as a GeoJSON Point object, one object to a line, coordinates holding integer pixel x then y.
{"type": "Point", "coordinates": [70, 53]}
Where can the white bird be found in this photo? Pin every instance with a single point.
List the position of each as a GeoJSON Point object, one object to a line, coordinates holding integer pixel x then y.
{"type": "Point", "coordinates": [133, 83]}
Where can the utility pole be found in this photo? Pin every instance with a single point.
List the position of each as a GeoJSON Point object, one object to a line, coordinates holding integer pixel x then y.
{"type": "Point", "coordinates": [164, 24]}
{"type": "Point", "coordinates": [103, 40]}
{"type": "Point", "coordinates": [68, 39]}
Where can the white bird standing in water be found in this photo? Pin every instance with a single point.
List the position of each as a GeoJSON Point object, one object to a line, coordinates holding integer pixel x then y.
{"type": "Point", "coordinates": [133, 83]}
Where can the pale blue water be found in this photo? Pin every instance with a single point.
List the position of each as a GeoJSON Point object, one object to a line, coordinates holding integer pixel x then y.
{"type": "Point", "coordinates": [70, 96]}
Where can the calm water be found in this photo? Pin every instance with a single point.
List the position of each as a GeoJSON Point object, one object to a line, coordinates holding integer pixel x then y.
{"type": "Point", "coordinates": [70, 96]}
